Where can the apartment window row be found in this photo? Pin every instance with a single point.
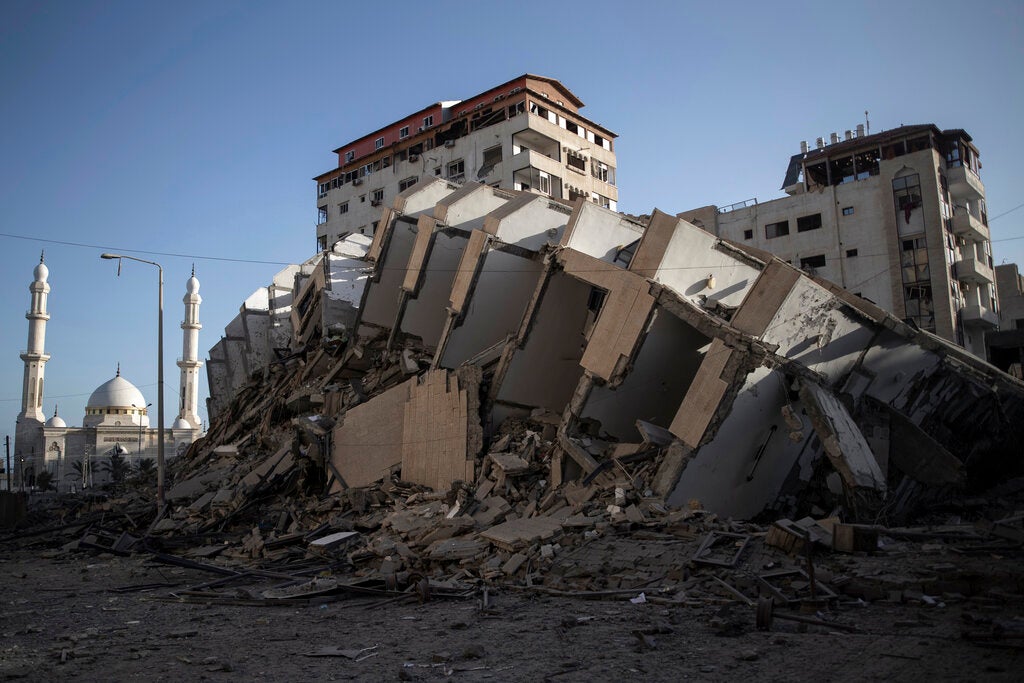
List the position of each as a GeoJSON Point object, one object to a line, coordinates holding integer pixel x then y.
{"type": "Point", "coordinates": [562, 122]}
{"type": "Point", "coordinates": [405, 184]}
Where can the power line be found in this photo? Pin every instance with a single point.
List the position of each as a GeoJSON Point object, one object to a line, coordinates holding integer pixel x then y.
{"type": "Point", "coordinates": [196, 257]}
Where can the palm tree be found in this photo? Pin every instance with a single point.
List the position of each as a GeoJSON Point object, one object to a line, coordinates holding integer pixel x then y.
{"type": "Point", "coordinates": [144, 469]}
{"type": "Point", "coordinates": [116, 466]}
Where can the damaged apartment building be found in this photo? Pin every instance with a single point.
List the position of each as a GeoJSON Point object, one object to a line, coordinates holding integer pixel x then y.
{"type": "Point", "coordinates": [897, 217]}
{"type": "Point", "coordinates": [744, 382]}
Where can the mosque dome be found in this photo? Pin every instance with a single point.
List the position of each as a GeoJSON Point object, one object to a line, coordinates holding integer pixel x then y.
{"type": "Point", "coordinates": [116, 393]}
{"type": "Point", "coordinates": [56, 421]}
{"type": "Point", "coordinates": [192, 286]}
{"type": "Point", "coordinates": [181, 423]}
{"type": "Point", "coordinates": [41, 272]}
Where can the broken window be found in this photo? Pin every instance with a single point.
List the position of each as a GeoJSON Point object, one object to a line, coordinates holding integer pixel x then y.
{"type": "Point", "coordinates": [596, 300]}
{"type": "Point", "coordinates": [321, 215]}
{"type": "Point", "coordinates": [428, 121]}
{"type": "Point", "coordinates": [812, 262]}
{"type": "Point", "coordinates": [407, 183]}
{"type": "Point", "coordinates": [492, 156]}
{"type": "Point", "coordinates": [385, 162]}
{"type": "Point", "coordinates": [517, 108]}
{"type": "Point", "coordinates": [378, 197]}
{"type": "Point", "coordinates": [817, 176]}
{"type": "Point", "coordinates": [602, 201]}
{"type": "Point", "coordinates": [350, 156]}
{"type": "Point", "coordinates": [906, 191]}
{"type": "Point", "coordinates": [602, 171]}
{"type": "Point", "coordinates": [807, 223]}
{"type": "Point", "coordinates": [914, 260]}
{"type": "Point", "coordinates": [866, 164]}
{"type": "Point", "coordinates": [841, 170]}
{"type": "Point", "coordinates": [773, 230]}
{"type": "Point", "coordinates": [321, 243]}
{"type": "Point", "coordinates": [323, 189]}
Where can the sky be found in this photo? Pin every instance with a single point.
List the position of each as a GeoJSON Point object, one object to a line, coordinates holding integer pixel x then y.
{"type": "Point", "coordinates": [188, 133]}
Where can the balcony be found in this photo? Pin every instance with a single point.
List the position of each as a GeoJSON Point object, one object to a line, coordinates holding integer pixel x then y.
{"type": "Point", "coordinates": [975, 315]}
{"type": "Point", "coordinates": [967, 226]}
{"type": "Point", "coordinates": [964, 183]}
{"type": "Point", "coordinates": [974, 270]}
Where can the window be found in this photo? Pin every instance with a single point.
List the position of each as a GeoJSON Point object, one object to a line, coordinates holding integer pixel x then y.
{"type": "Point", "coordinates": [362, 199]}
{"type": "Point", "coordinates": [602, 171]}
{"type": "Point", "coordinates": [321, 215]}
{"type": "Point", "coordinates": [428, 121]}
{"type": "Point", "coordinates": [576, 161]}
{"type": "Point", "coordinates": [492, 155]}
{"type": "Point", "coordinates": [847, 210]}
{"type": "Point", "coordinates": [378, 143]}
{"type": "Point", "coordinates": [906, 192]}
{"type": "Point", "coordinates": [457, 170]}
{"type": "Point", "coordinates": [343, 208]}
{"type": "Point", "coordinates": [602, 201]}
{"type": "Point", "coordinates": [403, 132]}
{"type": "Point", "coordinates": [321, 243]}
{"type": "Point", "coordinates": [808, 223]}
{"type": "Point", "coordinates": [323, 188]}
{"type": "Point", "coordinates": [850, 253]}
{"type": "Point", "coordinates": [748, 234]}
{"type": "Point", "coordinates": [813, 261]}
{"type": "Point", "coordinates": [377, 197]}
{"type": "Point", "coordinates": [437, 170]}
{"type": "Point", "coordinates": [349, 156]}
{"type": "Point", "coordinates": [773, 230]}
{"type": "Point", "coordinates": [407, 183]}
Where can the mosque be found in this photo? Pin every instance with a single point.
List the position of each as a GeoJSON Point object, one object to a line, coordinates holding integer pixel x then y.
{"type": "Point", "coordinates": [116, 416]}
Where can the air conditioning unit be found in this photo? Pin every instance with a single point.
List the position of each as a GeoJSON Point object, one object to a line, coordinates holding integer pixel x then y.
{"type": "Point", "coordinates": [514, 91]}
{"type": "Point", "coordinates": [449, 143]}
{"type": "Point", "coordinates": [414, 157]}
{"type": "Point", "coordinates": [357, 181]}
{"type": "Point", "coordinates": [422, 128]}
{"type": "Point", "coordinates": [375, 202]}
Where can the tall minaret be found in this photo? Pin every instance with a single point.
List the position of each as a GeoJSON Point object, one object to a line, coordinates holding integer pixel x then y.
{"type": "Point", "coordinates": [190, 363]}
{"type": "Point", "coordinates": [28, 444]}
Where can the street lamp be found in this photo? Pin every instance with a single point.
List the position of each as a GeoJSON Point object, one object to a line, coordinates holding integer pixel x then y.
{"type": "Point", "coordinates": [139, 452]}
{"type": "Point", "coordinates": [159, 376]}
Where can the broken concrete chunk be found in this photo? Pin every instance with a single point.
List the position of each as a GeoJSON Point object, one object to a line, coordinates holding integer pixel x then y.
{"type": "Point", "coordinates": [332, 541]}
{"type": "Point", "coordinates": [519, 533]}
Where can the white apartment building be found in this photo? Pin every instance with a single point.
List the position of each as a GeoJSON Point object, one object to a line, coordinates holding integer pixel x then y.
{"type": "Point", "coordinates": [896, 217]}
{"type": "Point", "coordinates": [526, 134]}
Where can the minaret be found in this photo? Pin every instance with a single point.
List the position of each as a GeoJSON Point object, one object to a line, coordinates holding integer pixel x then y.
{"type": "Point", "coordinates": [190, 363]}
{"type": "Point", "coordinates": [28, 435]}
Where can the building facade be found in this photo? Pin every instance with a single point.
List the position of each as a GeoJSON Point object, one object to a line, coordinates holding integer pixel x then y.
{"type": "Point", "coordinates": [1006, 347]}
{"type": "Point", "coordinates": [116, 417]}
{"type": "Point", "coordinates": [526, 134]}
{"type": "Point", "coordinates": [897, 217]}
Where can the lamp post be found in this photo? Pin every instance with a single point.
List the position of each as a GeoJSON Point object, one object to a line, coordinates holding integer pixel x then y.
{"type": "Point", "coordinates": [139, 452]}
{"type": "Point", "coordinates": [159, 376]}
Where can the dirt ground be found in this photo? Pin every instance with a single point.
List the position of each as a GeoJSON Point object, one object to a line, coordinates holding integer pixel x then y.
{"type": "Point", "coordinates": [89, 616]}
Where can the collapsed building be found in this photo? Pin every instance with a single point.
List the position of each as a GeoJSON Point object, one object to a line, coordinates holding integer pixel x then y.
{"type": "Point", "coordinates": [726, 375]}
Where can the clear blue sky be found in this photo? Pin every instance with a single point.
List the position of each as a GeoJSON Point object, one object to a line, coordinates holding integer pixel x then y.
{"type": "Point", "coordinates": [195, 128]}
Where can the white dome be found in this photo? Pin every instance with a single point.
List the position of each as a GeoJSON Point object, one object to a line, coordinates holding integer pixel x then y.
{"type": "Point", "coordinates": [41, 272]}
{"type": "Point", "coordinates": [117, 393]}
{"type": "Point", "coordinates": [192, 286]}
{"type": "Point", "coordinates": [56, 421]}
{"type": "Point", "coordinates": [181, 423]}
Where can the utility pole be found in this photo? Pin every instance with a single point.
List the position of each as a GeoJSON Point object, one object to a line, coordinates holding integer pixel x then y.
{"type": "Point", "coordinates": [7, 470]}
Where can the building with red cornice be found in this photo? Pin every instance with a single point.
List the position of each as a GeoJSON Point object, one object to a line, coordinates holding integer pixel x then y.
{"type": "Point", "coordinates": [526, 134]}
